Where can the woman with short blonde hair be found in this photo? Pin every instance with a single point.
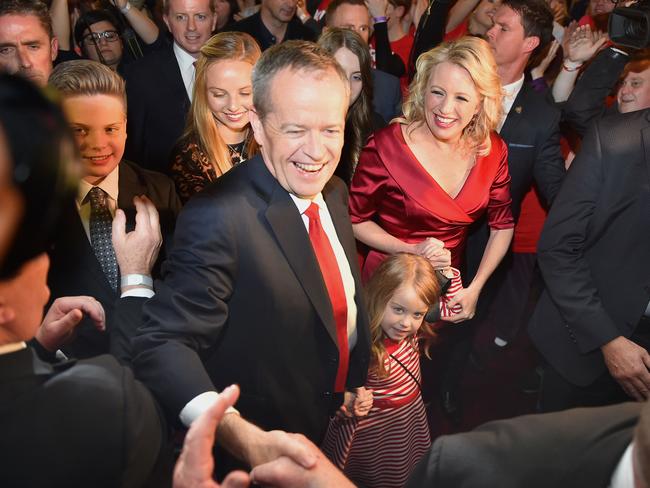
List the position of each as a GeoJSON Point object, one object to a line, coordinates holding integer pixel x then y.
{"type": "Point", "coordinates": [422, 181]}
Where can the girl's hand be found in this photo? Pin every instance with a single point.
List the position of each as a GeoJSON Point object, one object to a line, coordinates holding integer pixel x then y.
{"type": "Point", "coordinates": [466, 298]}
{"type": "Point", "coordinates": [362, 402]}
{"type": "Point", "coordinates": [434, 250]}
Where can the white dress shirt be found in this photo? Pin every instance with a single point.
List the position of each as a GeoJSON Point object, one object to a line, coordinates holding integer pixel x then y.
{"type": "Point", "coordinates": [186, 65]}
{"type": "Point", "coordinates": [199, 404]}
{"type": "Point", "coordinates": [510, 93]}
{"type": "Point", "coordinates": [12, 347]}
{"type": "Point", "coordinates": [623, 476]}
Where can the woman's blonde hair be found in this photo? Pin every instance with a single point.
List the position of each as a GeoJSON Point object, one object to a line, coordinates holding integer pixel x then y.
{"type": "Point", "coordinates": [475, 56]}
{"type": "Point", "coordinates": [395, 271]}
{"type": "Point", "coordinates": [201, 126]}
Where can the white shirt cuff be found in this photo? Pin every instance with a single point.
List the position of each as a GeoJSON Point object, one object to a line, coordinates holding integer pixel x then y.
{"type": "Point", "coordinates": [138, 292]}
{"type": "Point", "coordinates": [199, 404]}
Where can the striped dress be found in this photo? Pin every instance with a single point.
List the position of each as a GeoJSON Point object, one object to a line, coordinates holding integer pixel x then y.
{"type": "Point", "coordinates": [381, 450]}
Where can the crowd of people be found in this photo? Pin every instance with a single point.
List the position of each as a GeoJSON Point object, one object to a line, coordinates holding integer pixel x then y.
{"type": "Point", "coordinates": [233, 233]}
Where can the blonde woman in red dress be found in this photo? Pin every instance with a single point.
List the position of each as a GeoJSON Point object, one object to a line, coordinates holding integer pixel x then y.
{"type": "Point", "coordinates": [423, 180]}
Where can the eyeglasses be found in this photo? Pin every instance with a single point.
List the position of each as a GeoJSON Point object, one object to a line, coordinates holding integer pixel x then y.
{"type": "Point", "coordinates": [109, 35]}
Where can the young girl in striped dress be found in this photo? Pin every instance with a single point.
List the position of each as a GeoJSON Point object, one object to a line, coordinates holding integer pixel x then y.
{"type": "Point", "coordinates": [382, 448]}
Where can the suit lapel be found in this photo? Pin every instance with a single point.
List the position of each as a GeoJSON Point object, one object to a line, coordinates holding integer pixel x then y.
{"type": "Point", "coordinates": [515, 116]}
{"type": "Point", "coordinates": [289, 230]}
{"type": "Point", "coordinates": [645, 136]}
{"type": "Point", "coordinates": [129, 186]}
{"type": "Point", "coordinates": [74, 247]}
{"type": "Point", "coordinates": [173, 73]}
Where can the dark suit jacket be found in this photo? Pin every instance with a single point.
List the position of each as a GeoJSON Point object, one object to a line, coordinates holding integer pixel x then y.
{"type": "Point", "coordinates": [532, 133]}
{"type": "Point", "coordinates": [570, 449]}
{"type": "Point", "coordinates": [157, 108]}
{"type": "Point", "coordinates": [593, 252]}
{"type": "Point", "coordinates": [243, 301]}
{"type": "Point", "coordinates": [78, 424]}
{"type": "Point", "coordinates": [74, 269]}
{"type": "Point", "coordinates": [254, 26]}
{"type": "Point", "coordinates": [587, 100]}
{"type": "Point", "coordinates": [387, 95]}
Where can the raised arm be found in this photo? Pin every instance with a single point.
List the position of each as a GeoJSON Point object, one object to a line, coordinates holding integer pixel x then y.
{"type": "Point", "coordinates": [139, 21]}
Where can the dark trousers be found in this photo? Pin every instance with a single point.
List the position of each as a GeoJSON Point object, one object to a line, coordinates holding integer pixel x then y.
{"type": "Point", "coordinates": [506, 300]}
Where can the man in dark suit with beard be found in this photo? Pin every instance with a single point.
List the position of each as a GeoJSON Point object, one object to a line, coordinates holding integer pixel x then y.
{"type": "Point", "coordinates": [262, 287]}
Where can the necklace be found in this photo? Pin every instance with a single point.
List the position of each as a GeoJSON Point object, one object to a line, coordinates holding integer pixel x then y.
{"type": "Point", "coordinates": [236, 150]}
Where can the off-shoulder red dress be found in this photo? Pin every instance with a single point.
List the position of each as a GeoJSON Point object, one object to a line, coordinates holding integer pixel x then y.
{"type": "Point", "coordinates": [393, 189]}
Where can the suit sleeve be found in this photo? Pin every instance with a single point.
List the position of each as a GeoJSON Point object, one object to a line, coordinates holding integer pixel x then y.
{"type": "Point", "coordinates": [386, 60]}
{"type": "Point", "coordinates": [587, 100]}
{"type": "Point", "coordinates": [187, 315]}
{"type": "Point", "coordinates": [561, 249]}
{"type": "Point", "coordinates": [136, 115]}
{"type": "Point", "coordinates": [549, 169]}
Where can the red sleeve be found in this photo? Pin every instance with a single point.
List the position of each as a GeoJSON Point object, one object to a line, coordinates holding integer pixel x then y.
{"type": "Point", "coordinates": [499, 212]}
{"type": "Point", "coordinates": [368, 184]}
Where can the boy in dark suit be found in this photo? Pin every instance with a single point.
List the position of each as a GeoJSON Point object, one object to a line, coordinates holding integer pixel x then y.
{"type": "Point", "coordinates": [83, 260]}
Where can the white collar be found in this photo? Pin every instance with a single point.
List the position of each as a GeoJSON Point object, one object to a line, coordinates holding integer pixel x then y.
{"type": "Point", "coordinates": [185, 59]}
{"type": "Point", "coordinates": [12, 347]}
{"type": "Point", "coordinates": [623, 476]}
{"type": "Point", "coordinates": [304, 203]}
{"type": "Point", "coordinates": [511, 90]}
{"type": "Point", "coordinates": [110, 184]}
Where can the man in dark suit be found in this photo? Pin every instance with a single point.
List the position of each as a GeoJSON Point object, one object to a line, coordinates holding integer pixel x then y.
{"type": "Point", "coordinates": [91, 411]}
{"type": "Point", "coordinates": [93, 101]}
{"type": "Point", "coordinates": [159, 86]}
{"type": "Point", "coordinates": [275, 22]}
{"type": "Point", "coordinates": [575, 448]}
{"type": "Point", "coordinates": [530, 127]}
{"type": "Point", "coordinates": [247, 296]}
{"type": "Point", "coordinates": [592, 323]}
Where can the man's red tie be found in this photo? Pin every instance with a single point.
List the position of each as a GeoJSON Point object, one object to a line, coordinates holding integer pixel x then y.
{"type": "Point", "coordinates": [334, 283]}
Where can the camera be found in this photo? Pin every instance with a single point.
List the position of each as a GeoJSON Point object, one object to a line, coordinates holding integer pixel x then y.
{"type": "Point", "coordinates": [630, 26]}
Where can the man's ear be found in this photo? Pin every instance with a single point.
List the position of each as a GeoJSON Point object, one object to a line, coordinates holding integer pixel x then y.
{"type": "Point", "coordinates": [256, 124]}
{"type": "Point", "coordinates": [166, 21]}
{"type": "Point", "coordinates": [54, 48]}
{"type": "Point", "coordinates": [530, 43]}
{"type": "Point", "coordinates": [7, 313]}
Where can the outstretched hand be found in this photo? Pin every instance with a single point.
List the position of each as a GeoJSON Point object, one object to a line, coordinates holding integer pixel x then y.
{"type": "Point", "coordinates": [195, 465]}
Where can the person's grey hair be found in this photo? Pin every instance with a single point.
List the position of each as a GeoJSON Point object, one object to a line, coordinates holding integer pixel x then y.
{"type": "Point", "coordinates": [293, 55]}
{"type": "Point", "coordinates": [85, 77]}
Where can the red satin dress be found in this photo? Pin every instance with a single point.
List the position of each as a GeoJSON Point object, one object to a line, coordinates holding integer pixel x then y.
{"type": "Point", "coordinates": [393, 189]}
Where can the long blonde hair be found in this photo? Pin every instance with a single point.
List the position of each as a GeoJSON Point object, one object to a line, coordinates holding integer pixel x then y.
{"type": "Point", "coordinates": [397, 270]}
{"type": "Point", "coordinates": [201, 126]}
{"type": "Point", "coordinates": [475, 56]}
